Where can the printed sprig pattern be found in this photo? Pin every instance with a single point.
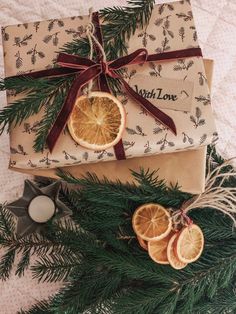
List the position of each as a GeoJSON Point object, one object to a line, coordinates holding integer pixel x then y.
{"type": "Point", "coordinates": [76, 33]}
{"type": "Point", "coordinates": [128, 74]}
{"type": "Point", "coordinates": [156, 69]}
{"type": "Point", "coordinates": [36, 26]}
{"type": "Point", "coordinates": [5, 35]}
{"type": "Point", "coordinates": [194, 32]}
{"type": "Point", "coordinates": [197, 119]}
{"type": "Point", "coordinates": [159, 128]}
{"type": "Point", "coordinates": [165, 24]}
{"type": "Point", "coordinates": [147, 148]}
{"type": "Point", "coordinates": [31, 164]}
{"type": "Point", "coordinates": [165, 143]}
{"type": "Point", "coordinates": [102, 153]}
{"type": "Point", "coordinates": [137, 131]}
{"type": "Point", "coordinates": [128, 144]}
{"type": "Point", "coordinates": [33, 52]}
{"type": "Point", "coordinates": [22, 41]}
{"type": "Point", "coordinates": [19, 60]}
{"type": "Point", "coordinates": [182, 33]}
{"type": "Point", "coordinates": [185, 16]}
{"type": "Point", "coordinates": [19, 150]}
{"type": "Point", "coordinates": [145, 37]}
{"type": "Point", "coordinates": [187, 138]}
{"type": "Point", "coordinates": [25, 25]}
{"type": "Point", "coordinates": [68, 156]}
{"type": "Point", "coordinates": [51, 24]}
{"type": "Point", "coordinates": [28, 128]}
{"type": "Point", "coordinates": [52, 38]}
{"type": "Point", "coordinates": [164, 46]}
{"type": "Point", "coordinates": [206, 100]}
{"type": "Point", "coordinates": [203, 139]}
{"type": "Point", "coordinates": [165, 6]}
{"type": "Point", "coordinates": [202, 79]}
{"type": "Point", "coordinates": [183, 64]}
{"type": "Point", "coordinates": [48, 161]}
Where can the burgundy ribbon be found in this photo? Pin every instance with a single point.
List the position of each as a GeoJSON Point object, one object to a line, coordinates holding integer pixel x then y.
{"type": "Point", "coordinates": [102, 81]}
{"type": "Point", "coordinates": [86, 70]}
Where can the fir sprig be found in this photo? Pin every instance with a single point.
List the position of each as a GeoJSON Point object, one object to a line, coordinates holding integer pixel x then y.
{"type": "Point", "coordinates": [40, 93]}
{"type": "Point", "coordinates": [52, 108]}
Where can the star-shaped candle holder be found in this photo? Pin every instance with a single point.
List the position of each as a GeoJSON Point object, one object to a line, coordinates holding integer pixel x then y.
{"type": "Point", "coordinates": [36, 207]}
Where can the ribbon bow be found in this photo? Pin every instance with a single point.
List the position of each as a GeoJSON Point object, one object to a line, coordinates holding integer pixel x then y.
{"type": "Point", "coordinates": [89, 70]}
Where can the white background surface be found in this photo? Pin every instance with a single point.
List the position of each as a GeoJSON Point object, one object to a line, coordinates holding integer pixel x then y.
{"type": "Point", "coordinates": [216, 24]}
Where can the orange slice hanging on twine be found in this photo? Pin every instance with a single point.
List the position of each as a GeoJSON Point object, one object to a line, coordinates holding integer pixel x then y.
{"type": "Point", "coordinates": [143, 243]}
{"type": "Point", "coordinates": [151, 222]}
{"type": "Point", "coordinates": [171, 255]}
{"type": "Point", "coordinates": [190, 244]}
{"type": "Point", "coordinates": [157, 250]}
{"type": "Point", "coordinates": [97, 122]}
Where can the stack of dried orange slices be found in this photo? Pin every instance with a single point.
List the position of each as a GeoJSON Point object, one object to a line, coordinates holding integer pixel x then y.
{"type": "Point", "coordinates": [153, 226]}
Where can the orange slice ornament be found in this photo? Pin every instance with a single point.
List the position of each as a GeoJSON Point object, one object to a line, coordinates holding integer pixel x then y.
{"type": "Point", "coordinates": [189, 244]}
{"type": "Point", "coordinates": [157, 250]}
{"type": "Point", "coordinates": [97, 122]}
{"type": "Point", "coordinates": [151, 222]}
{"type": "Point", "coordinates": [143, 243]}
{"type": "Point", "coordinates": [171, 255]}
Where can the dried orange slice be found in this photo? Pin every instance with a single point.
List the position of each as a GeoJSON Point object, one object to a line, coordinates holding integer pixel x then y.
{"type": "Point", "coordinates": [171, 255]}
{"type": "Point", "coordinates": [97, 122]}
{"type": "Point", "coordinates": [151, 222]}
{"type": "Point", "coordinates": [157, 250]}
{"type": "Point", "coordinates": [143, 243]}
{"type": "Point", "coordinates": [189, 244]}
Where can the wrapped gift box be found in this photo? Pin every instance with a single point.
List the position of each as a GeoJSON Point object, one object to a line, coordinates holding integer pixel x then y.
{"type": "Point", "coordinates": [187, 168]}
{"type": "Point", "coordinates": [34, 46]}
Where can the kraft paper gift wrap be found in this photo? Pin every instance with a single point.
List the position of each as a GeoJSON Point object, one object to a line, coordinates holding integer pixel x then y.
{"type": "Point", "coordinates": [187, 168]}
{"type": "Point", "coordinates": [34, 46]}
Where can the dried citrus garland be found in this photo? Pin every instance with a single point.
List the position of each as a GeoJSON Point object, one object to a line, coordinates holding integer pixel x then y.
{"type": "Point", "coordinates": [170, 237]}
{"type": "Point", "coordinates": [165, 242]}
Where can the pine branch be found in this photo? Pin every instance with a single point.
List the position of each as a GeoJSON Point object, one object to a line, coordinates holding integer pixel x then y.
{"type": "Point", "coordinates": [224, 301]}
{"type": "Point", "coordinates": [6, 264]}
{"type": "Point", "coordinates": [24, 262]}
{"type": "Point", "coordinates": [54, 105]}
{"type": "Point", "coordinates": [55, 267]}
{"type": "Point", "coordinates": [42, 307]}
{"type": "Point", "coordinates": [123, 21]}
{"type": "Point", "coordinates": [7, 224]}
{"type": "Point", "coordinates": [24, 84]}
{"type": "Point", "coordinates": [79, 47]}
{"type": "Point", "coordinates": [36, 98]}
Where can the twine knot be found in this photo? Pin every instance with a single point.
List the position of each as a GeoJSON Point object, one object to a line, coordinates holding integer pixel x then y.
{"type": "Point", "coordinates": [90, 28]}
{"type": "Point", "coordinates": [105, 67]}
{"type": "Point", "coordinates": [185, 217]}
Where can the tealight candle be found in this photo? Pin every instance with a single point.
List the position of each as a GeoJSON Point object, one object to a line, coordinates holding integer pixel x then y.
{"type": "Point", "coordinates": [41, 208]}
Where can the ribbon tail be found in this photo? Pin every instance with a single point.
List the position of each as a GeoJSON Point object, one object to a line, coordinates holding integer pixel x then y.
{"type": "Point", "coordinates": [163, 118]}
{"type": "Point", "coordinates": [62, 118]}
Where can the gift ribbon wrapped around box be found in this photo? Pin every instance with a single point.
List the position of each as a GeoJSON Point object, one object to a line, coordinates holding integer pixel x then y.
{"type": "Point", "coordinates": [187, 168]}
{"type": "Point", "coordinates": [144, 135]}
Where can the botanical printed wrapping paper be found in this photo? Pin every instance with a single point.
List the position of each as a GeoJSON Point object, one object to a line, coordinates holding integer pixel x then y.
{"type": "Point", "coordinates": [34, 46]}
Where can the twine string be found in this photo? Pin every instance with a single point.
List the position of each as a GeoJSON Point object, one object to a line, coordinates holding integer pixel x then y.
{"type": "Point", "coordinates": [215, 196]}
{"type": "Point", "coordinates": [90, 29]}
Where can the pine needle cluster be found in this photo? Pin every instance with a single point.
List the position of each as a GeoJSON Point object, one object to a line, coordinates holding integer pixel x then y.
{"type": "Point", "coordinates": [96, 254]}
